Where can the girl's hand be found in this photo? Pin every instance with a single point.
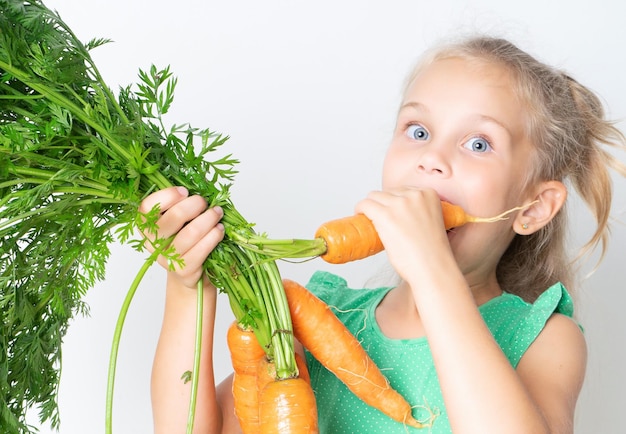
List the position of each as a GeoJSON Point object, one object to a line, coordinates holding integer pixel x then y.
{"type": "Point", "coordinates": [409, 222]}
{"type": "Point", "coordinates": [197, 228]}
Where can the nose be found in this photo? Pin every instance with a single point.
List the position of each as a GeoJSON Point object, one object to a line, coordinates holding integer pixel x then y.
{"type": "Point", "coordinates": [434, 159]}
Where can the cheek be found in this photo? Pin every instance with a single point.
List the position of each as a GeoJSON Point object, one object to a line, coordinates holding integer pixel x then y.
{"type": "Point", "coordinates": [391, 169]}
{"type": "Point", "coordinates": [490, 196]}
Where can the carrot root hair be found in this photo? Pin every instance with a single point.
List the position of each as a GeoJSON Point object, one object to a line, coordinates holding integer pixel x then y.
{"type": "Point", "coordinates": [433, 414]}
{"type": "Point", "coordinates": [502, 216]}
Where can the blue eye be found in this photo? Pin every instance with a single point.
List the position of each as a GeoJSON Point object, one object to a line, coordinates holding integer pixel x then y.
{"type": "Point", "coordinates": [477, 144]}
{"type": "Point", "coordinates": [417, 132]}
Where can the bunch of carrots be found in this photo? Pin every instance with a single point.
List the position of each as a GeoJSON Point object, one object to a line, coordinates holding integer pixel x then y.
{"type": "Point", "coordinates": [75, 162]}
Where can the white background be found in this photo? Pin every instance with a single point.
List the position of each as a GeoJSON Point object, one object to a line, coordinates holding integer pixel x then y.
{"type": "Point", "coordinates": [308, 93]}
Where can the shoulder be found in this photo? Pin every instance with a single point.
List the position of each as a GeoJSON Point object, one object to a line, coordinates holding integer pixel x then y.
{"type": "Point", "coordinates": [516, 323]}
{"type": "Point", "coordinates": [323, 280]}
{"type": "Point", "coordinates": [333, 289]}
{"type": "Point", "coordinates": [553, 369]}
{"type": "Point", "coordinates": [561, 343]}
{"type": "Point", "coordinates": [543, 342]}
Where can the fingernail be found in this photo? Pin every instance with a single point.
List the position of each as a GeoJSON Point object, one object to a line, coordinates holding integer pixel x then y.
{"type": "Point", "coordinates": [182, 190]}
{"type": "Point", "coordinates": [219, 210]}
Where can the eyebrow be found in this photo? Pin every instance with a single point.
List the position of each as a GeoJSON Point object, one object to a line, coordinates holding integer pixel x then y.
{"type": "Point", "coordinates": [415, 105]}
{"type": "Point", "coordinates": [478, 117]}
{"type": "Point", "coordinates": [485, 118]}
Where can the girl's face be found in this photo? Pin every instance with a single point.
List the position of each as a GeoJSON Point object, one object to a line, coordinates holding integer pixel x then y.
{"type": "Point", "coordinates": [460, 131]}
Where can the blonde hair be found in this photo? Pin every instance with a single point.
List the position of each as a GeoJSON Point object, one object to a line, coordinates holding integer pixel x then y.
{"type": "Point", "coordinates": [566, 123]}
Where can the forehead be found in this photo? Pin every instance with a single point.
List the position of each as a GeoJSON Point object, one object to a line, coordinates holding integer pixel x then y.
{"type": "Point", "coordinates": [462, 87]}
{"type": "Point", "coordinates": [449, 75]}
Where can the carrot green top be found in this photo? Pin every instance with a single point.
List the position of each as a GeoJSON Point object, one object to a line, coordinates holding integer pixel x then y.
{"type": "Point", "coordinates": [407, 363]}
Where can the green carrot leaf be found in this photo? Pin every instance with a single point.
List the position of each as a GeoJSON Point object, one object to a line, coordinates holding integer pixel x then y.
{"type": "Point", "coordinates": [76, 160]}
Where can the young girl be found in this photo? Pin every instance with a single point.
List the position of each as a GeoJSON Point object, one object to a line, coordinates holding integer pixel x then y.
{"type": "Point", "coordinates": [479, 332]}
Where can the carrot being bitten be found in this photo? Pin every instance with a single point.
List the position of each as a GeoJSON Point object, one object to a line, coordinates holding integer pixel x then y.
{"type": "Point", "coordinates": [351, 238]}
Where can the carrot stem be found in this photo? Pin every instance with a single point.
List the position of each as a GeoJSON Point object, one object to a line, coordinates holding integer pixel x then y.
{"type": "Point", "coordinates": [118, 332]}
{"type": "Point", "coordinates": [280, 248]}
{"type": "Point", "coordinates": [195, 373]}
{"type": "Point", "coordinates": [254, 287]}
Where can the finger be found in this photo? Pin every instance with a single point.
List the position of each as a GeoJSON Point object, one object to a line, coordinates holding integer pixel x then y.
{"type": "Point", "coordinates": [386, 197]}
{"type": "Point", "coordinates": [197, 229]}
{"type": "Point", "coordinates": [402, 196]}
{"type": "Point", "coordinates": [165, 198]}
{"type": "Point", "coordinates": [191, 268]}
{"type": "Point", "coordinates": [180, 214]}
{"type": "Point", "coordinates": [196, 256]}
{"type": "Point", "coordinates": [374, 200]}
{"type": "Point", "coordinates": [366, 206]}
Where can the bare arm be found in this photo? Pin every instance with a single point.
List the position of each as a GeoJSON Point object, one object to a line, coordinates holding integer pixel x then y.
{"type": "Point", "coordinates": [197, 231]}
{"type": "Point", "coordinates": [482, 391]}
{"type": "Point", "coordinates": [174, 356]}
{"type": "Point", "coordinates": [553, 371]}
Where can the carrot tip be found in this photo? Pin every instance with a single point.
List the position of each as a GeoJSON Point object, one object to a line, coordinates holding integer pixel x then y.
{"type": "Point", "coordinates": [426, 422]}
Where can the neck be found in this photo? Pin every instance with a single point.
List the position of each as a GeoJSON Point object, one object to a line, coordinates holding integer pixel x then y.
{"type": "Point", "coordinates": [482, 292]}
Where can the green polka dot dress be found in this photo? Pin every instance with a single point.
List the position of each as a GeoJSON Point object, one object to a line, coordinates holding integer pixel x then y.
{"type": "Point", "coordinates": [407, 363]}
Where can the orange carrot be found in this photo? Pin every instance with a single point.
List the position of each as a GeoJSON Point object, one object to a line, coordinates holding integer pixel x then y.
{"type": "Point", "coordinates": [253, 372]}
{"type": "Point", "coordinates": [266, 371]}
{"type": "Point", "coordinates": [246, 402]}
{"type": "Point", "coordinates": [302, 369]}
{"type": "Point", "coordinates": [348, 239]}
{"type": "Point", "coordinates": [244, 349]}
{"type": "Point", "coordinates": [245, 354]}
{"type": "Point", "coordinates": [299, 412]}
{"type": "Point", "coordinates": [351, 238]}
{"type": "Point", "coordinates": [332, 344]}
{"type": "Point", "coordinates": [288, 407]}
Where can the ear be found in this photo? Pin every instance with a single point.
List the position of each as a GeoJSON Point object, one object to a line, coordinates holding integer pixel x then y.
{"type": "Point", "coordinates": [548, 197]}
